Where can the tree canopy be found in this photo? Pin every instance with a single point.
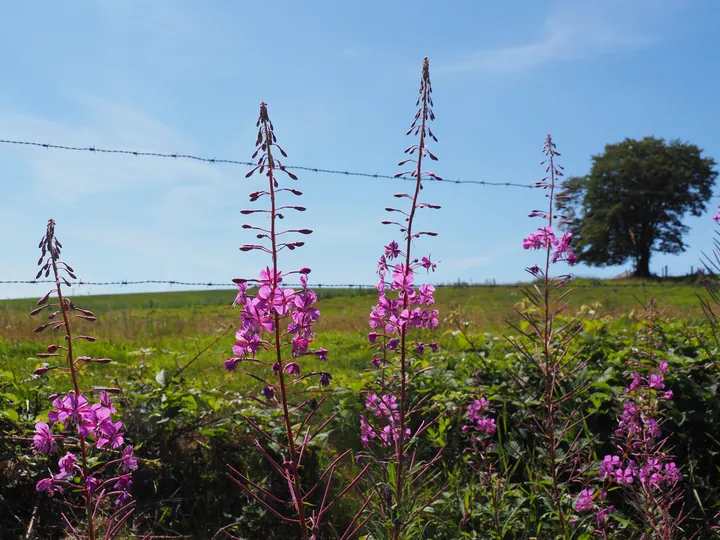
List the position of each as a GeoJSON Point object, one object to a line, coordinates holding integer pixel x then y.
{"type": "Point", "coordinates": [633, 201]}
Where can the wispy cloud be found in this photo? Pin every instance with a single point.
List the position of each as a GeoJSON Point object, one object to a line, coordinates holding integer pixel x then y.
{"type": "Point", "coordinates": [69, 176]}
{"type": "Point", "coordinates": [575, 31]}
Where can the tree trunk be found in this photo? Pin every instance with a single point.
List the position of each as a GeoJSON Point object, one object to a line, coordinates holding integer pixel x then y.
{"type": "Point", "coordinates": [642, 264]}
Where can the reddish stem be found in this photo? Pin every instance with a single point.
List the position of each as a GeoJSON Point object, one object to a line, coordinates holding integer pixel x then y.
{"type": "Point", "coordinates": [295, 477]}
{"type": "Point", "coordinates": [73, 373]}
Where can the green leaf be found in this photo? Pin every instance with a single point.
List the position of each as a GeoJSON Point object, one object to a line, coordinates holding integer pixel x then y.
{"type": "Point", "coordinates": [10, 414]}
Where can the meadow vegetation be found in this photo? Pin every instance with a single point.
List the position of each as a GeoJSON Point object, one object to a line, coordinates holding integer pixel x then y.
{"type": "Point", "coordinates": [558, 408]}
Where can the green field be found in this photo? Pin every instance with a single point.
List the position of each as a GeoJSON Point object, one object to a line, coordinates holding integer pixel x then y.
{"type": "Point", "coordinates": [151, 317]}
{"type": "Point", "coordinates": [168, 329]}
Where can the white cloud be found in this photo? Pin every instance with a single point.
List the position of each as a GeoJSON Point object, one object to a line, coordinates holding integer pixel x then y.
{"type": "Point", "coordinates": [575, 31]}
{"type": "Point", "coordinates": [70, 176]}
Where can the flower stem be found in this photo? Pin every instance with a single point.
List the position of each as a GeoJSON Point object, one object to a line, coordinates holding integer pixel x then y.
{"type": "Point", "coordinates": [73, 373]}
{"type": "Point", "coordinates": [294, 475]}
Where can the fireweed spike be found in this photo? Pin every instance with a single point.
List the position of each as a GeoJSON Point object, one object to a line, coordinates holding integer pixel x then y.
{"type": "Point", "coordinates": [95, 472]}
{"type": "Point", "coordinates": [276, 332]}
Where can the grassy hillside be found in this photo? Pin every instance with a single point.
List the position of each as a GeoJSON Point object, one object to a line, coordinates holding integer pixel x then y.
{"type": "Point", "coordinates": [149, 318]}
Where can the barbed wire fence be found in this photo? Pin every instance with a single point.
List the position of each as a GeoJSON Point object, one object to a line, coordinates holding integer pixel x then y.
{"type": "Point", "coordinates": [318, 170]}
{"type": "Point", "coordinates": [594, 283]}
{"type": "Point", "coordinates": [137, 153]}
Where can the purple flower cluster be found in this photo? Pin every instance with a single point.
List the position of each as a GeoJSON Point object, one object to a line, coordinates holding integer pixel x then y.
{"type": "Point", "coordinates": [641, 465]}
{"type": "Point", "coordinates": [558, 249]}
{"type": "Point", "coordinates": [478, 419]}
{"type": "Point", "coordinates": [394, 316]}
{"type": "Point", "coordinates": [79, 424]}
{"type": "Point", "coordinates": [545, 238]}
{"type": "Point", "coordinates": [385, 410]}
{"type": "Point", "coordinates": [584, 502]}
{"type": "Point", "coordinates": [260, 312]}
{"type": "Point", "coordinates": [652, 473]}
{"type": "Point", "coordinates": [95, 424]}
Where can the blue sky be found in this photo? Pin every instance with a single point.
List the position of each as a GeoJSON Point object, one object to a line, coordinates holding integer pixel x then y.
{"type": "Point", "coordinates": [340, 80]}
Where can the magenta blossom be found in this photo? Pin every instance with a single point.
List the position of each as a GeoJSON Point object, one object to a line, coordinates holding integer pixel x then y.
{"type": "Point", "coordinates": [43, 438]}
{"type": "Point", "coordinates": [392, 250]}
{"type": "Point", "coordinates": [128, 460]}
{"type": "Point", "coordinates": [68, 465]}
{"type": "Point", "coordinates": [584, 502]}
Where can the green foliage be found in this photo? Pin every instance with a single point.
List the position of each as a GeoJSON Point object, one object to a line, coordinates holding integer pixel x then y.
{"type": "Point", "coordinates": [634, 199]}
{"type": "Point", "coordinates": [187, 427]}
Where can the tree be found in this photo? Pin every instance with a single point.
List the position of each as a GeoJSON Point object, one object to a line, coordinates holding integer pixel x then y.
{"type": "Point", "coordinates": [634, 199]}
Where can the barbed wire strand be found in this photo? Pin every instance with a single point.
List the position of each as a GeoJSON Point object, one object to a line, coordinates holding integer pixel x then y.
{"type": "Point", "coordinates": [229, 285]}
{"type": "Point", "coordinates": [246, 163]}
{"type": "Point", "coordinates": [191, 157]}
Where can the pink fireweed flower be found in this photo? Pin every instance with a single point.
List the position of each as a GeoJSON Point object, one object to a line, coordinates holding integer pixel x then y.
{"type": "Point", "coordinates": [68, 407]}
{"type": "Point", "coordinates": [110, 435]}
{"type": "Point", "coordinates": [382, 265]}
{"type": "Point", "coordinates": [105, 402]}
{"type": "Point", "coordinates": [299, 345]}
{"type": "Point", "coordinates": [293, 368]}
{"type": "Point", "coordinates": [391, 433]}
{"type": "Point", "coordinates": [276, 299]}
{"type": "Point", "coordinates": [427, 264]}
{"type": "Point", "coordinates": [124, 483]}
{"type": "Point", "coordinates": [49, 485]}
{"type": "Point", "coordinates": [608, 465]}
{"type": "Point", "coordinates": [367, 432]}
{"type": "Point", "coordinates": [268, 392]}
{"type": "Point", "coordinates": [93, 420]}
{"type": "Point", "coordinates": [241, 294]}
{"type": "Point", "coordinates": [478, 420]}
{"type": "Point", "coordinates": [128, 460]}
{"type": "Point", "coordinates": [624, 475]}
{"type": "Point", "coordinates": [232, 363]}
{"type": "Point", "coordinates": [543, 238]}
{"type": "Point", "coordinates": [392, 250]}
{"type": "Point", "coordinates": [43, 438]}
{"type": "Point", "coordinates": [603, 514]}
{"type": "Point", "coordinates": [584, 502]}
{"type": "Point", "coordinates": [382, 405]}
{"type": "Point", "coordinates": [402, 280]}
{"type": "Point", "coordinates": [247, 345]}
{"type": "Point", "coordinates": [268, 277]}
{"type": "Point", "coordinates": [672, 473]}
{"type": "Point", "coordinates": [68, 465]}
{"type": "Point", "coordinates": [92, 483]}
{"type": "Point", "coordinates": [425, 295]}
{"type": "Point", "coordinates": [656, 381]}
{"type": "Point", "coordinates": [652, 428]}
{"type": "Point", "coordinates": [255, 316]}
